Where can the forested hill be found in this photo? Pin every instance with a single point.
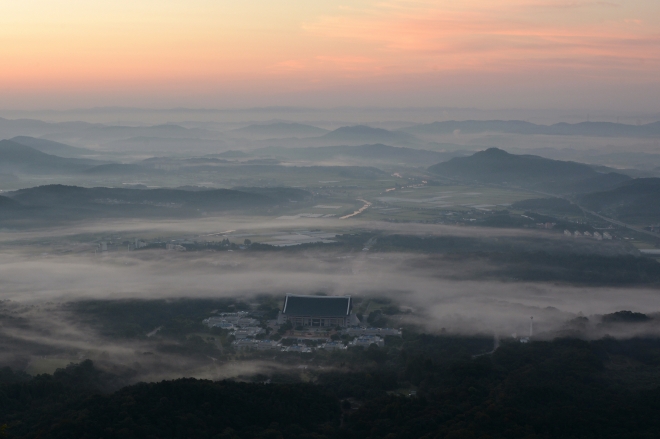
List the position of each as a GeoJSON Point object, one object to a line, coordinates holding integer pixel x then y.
{"type": "Point", "coordinates": [16, 157]}
{"type": "Point", "coordinates": [8, 203]}
{"type": "Point", "coordinates": [51, 147]}
{"type": "Point", "coordinates": [72, 196]}
{"type": "Point", "coordinates": [73, 403]}
{"type": "Point", "coordinates": [366, 134]}
{"type": "Point", "coordinates": [72, 202]}
{"type": "Point", "coordinates": [280, 129]}
{"type": "Point", "coordinates": [499, 167]}
{"type": "Point", "coordinates": [636, 201]}
{"type": "Point", "coordinates": [372, 153]}
{"type": "Point", "coordinates": [566, 388]}
{"type": "Point", "coordinates": [596, 129]}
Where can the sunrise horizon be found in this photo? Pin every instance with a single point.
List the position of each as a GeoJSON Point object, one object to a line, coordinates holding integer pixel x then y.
{"type": "Point", "coordinates": [512, 53]}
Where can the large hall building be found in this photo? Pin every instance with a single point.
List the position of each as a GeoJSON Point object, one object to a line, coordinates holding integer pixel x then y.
{"type": "Point", "coordinates": [318, 311]}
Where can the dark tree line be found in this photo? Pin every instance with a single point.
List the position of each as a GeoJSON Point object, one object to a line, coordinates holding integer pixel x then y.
{"type": "Point", "coordinates": [566, 388]}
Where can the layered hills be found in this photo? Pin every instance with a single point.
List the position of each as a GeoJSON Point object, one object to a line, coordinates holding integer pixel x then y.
{"type": "Point", "coordinates": [496, 166]}
{"type": "Point", "coordinates": [595, 129]}
{"type": "Point", "coordinates": [8, 203]}
{"type": "Point", "coordinates": [365, 134]}
{"type": "Point", "coordinates": [279, 130]}
{"type": "Point", "coordinates": [59, 202]}
{"type": "Point", "coordinates": [636, 201]}
{"type": "Point", "coordinates": [19, 158]}
{"type": "Point", "coordinates": [348, 135]}
{"type": "Point", "coordinates": [52, 147]}
{"type": "Point", "coordinates": [373, 153]}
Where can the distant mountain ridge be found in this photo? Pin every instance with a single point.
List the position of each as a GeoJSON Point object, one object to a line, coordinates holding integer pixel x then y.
{"type": "Point", "coordinates": [8, 203]}
{"type": "Point", "coordinates": [374, 153]}
{"type": "Point", "coordinates": [597, 129]}
{"type": "Point", "coordinates": [636, 201]}
{"type": "Point", "coordinates": [280, 129]}
{"type": "Point", "coordinates": [60, 202]}
{"type": "Point", "coordinates": [497, 166]}
{"type": "Point", "coordinates": [366, 134]}
{"type": "Point", "coordinates": [53, 195]}
{"type": "Point", "coordinates": [83, 133]}
{"type": "Point", "coordinates": [52, 147]}
{"type": "Point", "coordinates": [18, 158]}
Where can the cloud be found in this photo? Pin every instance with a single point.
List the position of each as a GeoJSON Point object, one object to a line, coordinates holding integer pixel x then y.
{"type": "Point", "coordinates": [417, 36]}
{"type": "Point", "coordinates": [462, 296]}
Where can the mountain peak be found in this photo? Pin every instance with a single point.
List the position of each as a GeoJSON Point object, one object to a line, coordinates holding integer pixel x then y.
{"type": "Point", "coordinates": [494, 152]}
{"type": "Point", "coordinates": [360, 129]}
{"type": "Point", "coordinates": [496, 166]}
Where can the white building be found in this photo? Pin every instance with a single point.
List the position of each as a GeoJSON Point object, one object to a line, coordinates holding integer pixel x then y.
{"type": "Point", "coordinates": [333, 346]}
{"type": "Point", "coordinates": [264, 345]}
{"type": "Point", "coordinates": [297, 348]}
{"type": "Point", "coordinates": [368, 340]}
{"type": "Point", "coordinates": [248, 332]}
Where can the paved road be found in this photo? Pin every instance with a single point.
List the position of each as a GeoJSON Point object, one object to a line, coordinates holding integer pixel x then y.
{"type": "Point", "coordinates": [357, 212]}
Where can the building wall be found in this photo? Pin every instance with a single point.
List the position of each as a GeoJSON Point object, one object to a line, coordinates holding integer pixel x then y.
{"type": "Point", "coordinates": [321, 322]}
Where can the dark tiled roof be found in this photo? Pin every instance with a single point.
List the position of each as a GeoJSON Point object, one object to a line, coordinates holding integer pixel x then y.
{"type": "Point", "coordinates": [327, 306]}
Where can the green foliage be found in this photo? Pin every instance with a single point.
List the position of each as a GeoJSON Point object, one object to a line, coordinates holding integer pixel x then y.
{"type": "Point", "coordinates": [361, 385]}
{"type": "Point", "coordinates": [285, 327]}
{"type": "Point", "coordinates": [67, 405]}
{"type": "Point", "coordinates": [582, 268]}
{"type": "Point", "coordinates": [542, 389]}
{"type": "Point", "coordinates": [60, 200]}
{"type": "Point", "coordinates": [635, 201]}
{"type": "Point", "coordinates": [135, 318]}
{"type": "Point", "coordinates": [553, 206]}
{"type": "Point", "coordinates": [499, 167]}
{"type": "Point", "coordinates": [525, 260]}
{"type": "Point", "coordinates": [536, 390]}
{"type": "Point", "coordinates": [626, 317]}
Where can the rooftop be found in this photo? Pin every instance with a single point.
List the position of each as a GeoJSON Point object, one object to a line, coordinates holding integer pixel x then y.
{"type": "Point", "coordinates": [317, 306]}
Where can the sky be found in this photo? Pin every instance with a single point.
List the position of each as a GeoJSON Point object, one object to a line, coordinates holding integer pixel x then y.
{"type": "Point", "coordinates": [66, 54]}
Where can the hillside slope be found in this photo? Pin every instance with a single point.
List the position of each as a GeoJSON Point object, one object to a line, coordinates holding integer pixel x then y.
{"type": "Point", "coordinates": [362, 134]}
{"type": "Point", "coordinates": [636, 201]}
{"type": "Point", "coordinates": [51, 147]}
{"type": "Point", "coordinates": [18, 158]}
{"type": "Point", "coordinates": [58, 202]}
{"type": "Point", "coordinates": [497, 166]}
{"type": "Point", "coordinates": [374, 153]}
{"type": "Point", "coordinates": [595, 129]}
{"type": "Point", "coordinates": [279, 130]}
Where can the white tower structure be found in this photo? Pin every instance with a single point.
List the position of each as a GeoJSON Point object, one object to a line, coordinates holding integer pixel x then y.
{"type": "Point", "coordinates": [531, 327]}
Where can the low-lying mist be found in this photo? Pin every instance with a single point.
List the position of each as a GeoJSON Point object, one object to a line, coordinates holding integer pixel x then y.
{"type": "Point", "coordinates": [441, 295]}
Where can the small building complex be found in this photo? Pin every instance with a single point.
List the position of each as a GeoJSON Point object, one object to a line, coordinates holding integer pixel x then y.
{"type": "Point", "coordinates": [318, 311]}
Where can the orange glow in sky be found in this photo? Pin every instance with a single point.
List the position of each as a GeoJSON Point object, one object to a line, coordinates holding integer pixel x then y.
{"type": "Point", "coordinates": [62, 53]}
